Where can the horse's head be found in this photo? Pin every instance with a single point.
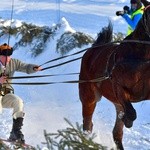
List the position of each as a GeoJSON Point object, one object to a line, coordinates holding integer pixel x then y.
{"type": "Point", "coordinates": [146, 20]}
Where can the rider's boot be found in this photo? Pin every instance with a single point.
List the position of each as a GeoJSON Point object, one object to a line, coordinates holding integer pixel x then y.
{"type": "Point", "coordinates": [16, 135]}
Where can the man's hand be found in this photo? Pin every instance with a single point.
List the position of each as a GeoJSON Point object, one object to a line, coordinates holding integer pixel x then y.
{"type": "Point", "coordinates": [119, 13]}
{"type": "Point", "coordinates": [37, 68]}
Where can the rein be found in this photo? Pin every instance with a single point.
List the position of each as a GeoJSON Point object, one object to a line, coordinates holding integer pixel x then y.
{"type": "Point", "coordinates": [105, 77]}
{"type": "Point", "coordinates": [69, 81]}
{"type": "Point", "coordinates": [59, 58]}
{"type": "Point", "coordinates": [60, 64]}
{"type": "Point", "coordinates": [40, 76]}
{"type": "Point", "coordinates": [98, 46]}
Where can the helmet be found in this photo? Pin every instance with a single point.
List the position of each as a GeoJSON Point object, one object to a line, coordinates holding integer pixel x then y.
{"type": "Point", "coordinates": [6, 50]}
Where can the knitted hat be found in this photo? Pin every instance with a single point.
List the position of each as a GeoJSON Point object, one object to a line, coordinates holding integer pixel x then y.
{"type": "Point", "coordinates": [138, 2]}
{"type": "Point", "coordinates": [6, 50]}
{"type": "Point", "coordinates": [135, 1]}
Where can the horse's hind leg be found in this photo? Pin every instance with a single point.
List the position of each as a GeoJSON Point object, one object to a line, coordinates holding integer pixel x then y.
{"type": "Point", "coordinates": [118, 128]}
{"type": "Point", "coordinates": [88, 96]}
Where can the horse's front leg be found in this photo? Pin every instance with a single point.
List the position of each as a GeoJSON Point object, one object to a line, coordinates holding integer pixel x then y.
{"type": "Point", "coordinates": [89, 97]}
{"type": "Point", "coordinates": [123, 98]}
{"type": "Point", "coordinates": [87, 112]}
{"type": "Point", "coordinates": [130, 115]}
{"type": "Point", "coordinates": [118, 128]}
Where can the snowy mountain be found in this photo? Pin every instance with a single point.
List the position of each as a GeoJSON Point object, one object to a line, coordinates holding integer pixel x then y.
{"type": "Point", "coordinates": [47, 105]}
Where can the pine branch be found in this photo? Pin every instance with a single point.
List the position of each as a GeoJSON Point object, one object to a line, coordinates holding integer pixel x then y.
{"type": "Point", "coordinates": [71, 138]}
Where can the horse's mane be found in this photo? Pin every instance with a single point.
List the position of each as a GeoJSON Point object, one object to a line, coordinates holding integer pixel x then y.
{"type": "Point", "coordinates": [104, 36]}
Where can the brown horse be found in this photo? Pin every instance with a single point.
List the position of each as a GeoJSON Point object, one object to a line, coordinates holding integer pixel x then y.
{"type": "Point", "coordinates": [124, 69]}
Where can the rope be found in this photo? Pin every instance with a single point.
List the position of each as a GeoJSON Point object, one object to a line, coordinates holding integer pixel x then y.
{"type": "Point", "coordinates": [9, 31]}
{"type": "Point", "coordinates": [12, 10]}
{"type": "Point", "coordinates": [40, 76]}
{"type": "Point", "coordinates": [76, 81]}
{"type": "Point", "coordinates": [55, 59]}
{"type": "Point", "coordinates": [134, 41]}
{"type": "Point", "coordinates": [70, 81]}
{"type": "Point", "coordinates": [66, 62]}
{"type": "Point", "coordinates": [58, 58]}
{"type": "Point", "coordinates": [23, 77]}
{"type": "Point", "coordinates": [97, 46]}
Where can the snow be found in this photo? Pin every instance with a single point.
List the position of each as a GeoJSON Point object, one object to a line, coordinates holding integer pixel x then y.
{"type": "Point", "coordinates": [12, 23]}
{"type": "Point", "coordinates": [46, 106]}
{"type": "Point", "coordinates": [66, 25]}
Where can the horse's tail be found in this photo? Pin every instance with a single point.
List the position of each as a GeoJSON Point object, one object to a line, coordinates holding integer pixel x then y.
{"type": "Point", "coordinates": [105, 36]}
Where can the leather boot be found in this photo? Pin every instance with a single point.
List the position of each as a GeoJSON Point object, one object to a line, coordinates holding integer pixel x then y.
{"type": "Point", "coordinates": [16, 134]}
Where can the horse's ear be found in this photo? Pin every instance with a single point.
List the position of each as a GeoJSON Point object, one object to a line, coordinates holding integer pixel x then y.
{"type": "Point", "coordinates": [146, 12]}
{"type": "Point", "coordinates": [147, 8]}
{"type": "Point", "coordinates": [146, 19]}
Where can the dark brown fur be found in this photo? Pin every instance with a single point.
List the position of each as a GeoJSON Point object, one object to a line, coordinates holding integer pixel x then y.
{"type": "Point", "coordinates": [127, 65]}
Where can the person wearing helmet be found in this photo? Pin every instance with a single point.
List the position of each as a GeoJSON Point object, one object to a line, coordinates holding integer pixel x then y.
{"type": "Point", "coordinates": [8, 66]}
{"type": "Point", "coordinates": [132, 15]}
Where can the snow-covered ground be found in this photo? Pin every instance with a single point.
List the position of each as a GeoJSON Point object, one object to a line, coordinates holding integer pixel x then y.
{"type": "Point", "coordinates": [46, 106]}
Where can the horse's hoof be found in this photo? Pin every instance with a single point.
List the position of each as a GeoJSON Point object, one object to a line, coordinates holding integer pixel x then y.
{"type": "Point", "coordinates": [87, 126]}
{"type": "Point", "coordinates": [128, 123]}
{"type": "Point", "coordinates": [87, 132]}
{"type": "Point", "coordinates": [119, 145]}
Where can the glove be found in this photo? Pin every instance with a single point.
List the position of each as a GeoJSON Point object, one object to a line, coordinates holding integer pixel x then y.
{"type": "Point", "coordinates": [126, 9]}
{"type": "Point", "coordinates": [119, 13]}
